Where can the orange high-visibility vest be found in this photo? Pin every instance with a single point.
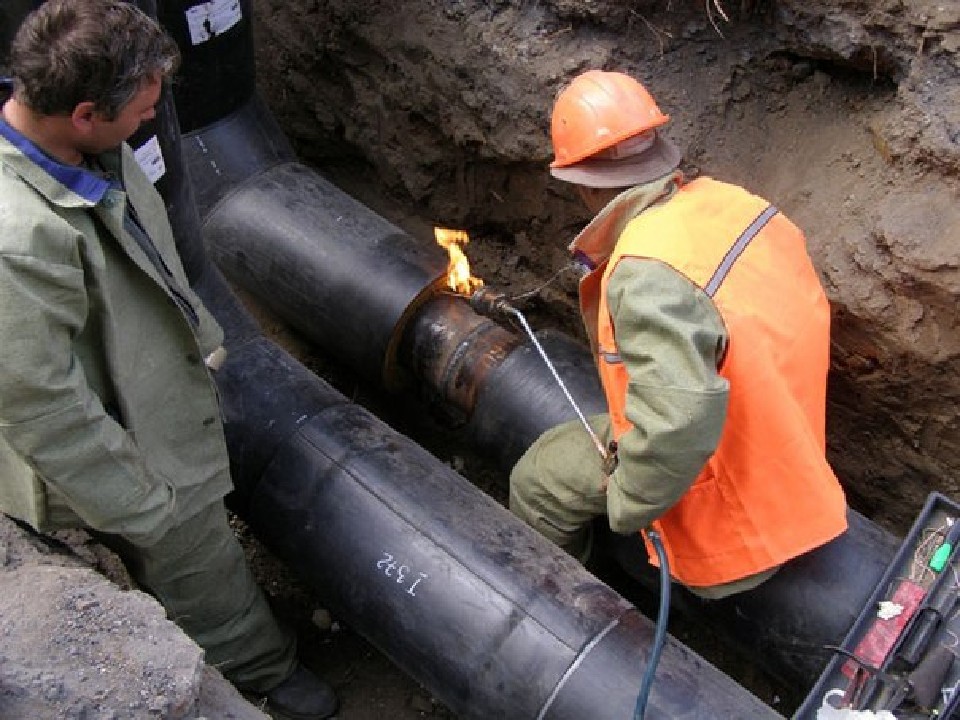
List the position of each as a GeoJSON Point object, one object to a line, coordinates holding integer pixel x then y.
{"type": "Point", "coordinates": [767, 494]}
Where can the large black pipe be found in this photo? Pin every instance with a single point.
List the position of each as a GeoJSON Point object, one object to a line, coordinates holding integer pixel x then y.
{"type": "Point", "coordinates": [496, 622]}
{"type": "Point", "coordinates": [491, 618]}
{"type": "Point", "coordinates": [328, 265]}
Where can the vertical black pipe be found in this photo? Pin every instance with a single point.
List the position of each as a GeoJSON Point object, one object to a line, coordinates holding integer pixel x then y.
{"type": "Point", "coordinates": [216, 42]}
{"type": "Point", "coordinates": [160, 139]}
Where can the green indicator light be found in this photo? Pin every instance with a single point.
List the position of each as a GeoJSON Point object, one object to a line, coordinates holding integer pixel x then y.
{"type": "Point", "coordinates": [940, 557]}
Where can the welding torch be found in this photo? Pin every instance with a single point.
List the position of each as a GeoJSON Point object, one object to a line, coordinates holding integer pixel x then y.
{"type": "Point", "coordinates": [490, 302]}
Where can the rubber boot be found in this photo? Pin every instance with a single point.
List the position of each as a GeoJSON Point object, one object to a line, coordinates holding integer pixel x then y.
{"type": "Point", "coordinates": [302, 696]}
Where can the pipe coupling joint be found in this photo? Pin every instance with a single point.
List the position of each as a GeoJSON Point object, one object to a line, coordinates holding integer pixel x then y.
{"type": "Point", "coordinates": [490, 302]}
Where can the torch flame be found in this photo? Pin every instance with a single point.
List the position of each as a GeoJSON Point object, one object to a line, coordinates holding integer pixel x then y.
{"type": "Point", "coordinates": [458, 269]}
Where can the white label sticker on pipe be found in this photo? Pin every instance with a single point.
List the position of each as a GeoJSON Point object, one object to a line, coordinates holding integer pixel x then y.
{"type": "Point", "coordinates": [150, 158]}
{"type": "Point", "coordinates": [212, 18]}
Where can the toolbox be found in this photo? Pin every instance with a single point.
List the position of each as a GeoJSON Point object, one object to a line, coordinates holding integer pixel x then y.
{"type": "Point", "coordinates": [900, 654]}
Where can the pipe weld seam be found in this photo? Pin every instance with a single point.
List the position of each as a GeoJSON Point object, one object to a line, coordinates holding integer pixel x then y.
{"type": "Point", "coordinates": [455, 364]}
{"type": "Point", "coordinates": [574, 665]}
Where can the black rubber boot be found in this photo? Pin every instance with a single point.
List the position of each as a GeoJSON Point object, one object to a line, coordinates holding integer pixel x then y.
{"type": "Point", "coordinates": [302, 696]}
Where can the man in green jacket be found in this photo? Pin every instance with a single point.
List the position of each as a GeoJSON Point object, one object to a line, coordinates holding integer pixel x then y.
{"type": "Point", "coordinates": [109, 418]}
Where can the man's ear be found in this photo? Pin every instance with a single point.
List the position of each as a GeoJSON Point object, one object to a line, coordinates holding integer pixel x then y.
{"type": "Point", "coordinates": [83, 117]}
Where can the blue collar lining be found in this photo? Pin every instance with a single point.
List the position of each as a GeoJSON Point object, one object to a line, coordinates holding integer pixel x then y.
{"type": "Point", "coordinates": [76, 179]}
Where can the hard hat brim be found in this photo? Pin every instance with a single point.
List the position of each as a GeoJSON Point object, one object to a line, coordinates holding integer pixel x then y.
{"type": "Point", "coordinates": [661, 158]}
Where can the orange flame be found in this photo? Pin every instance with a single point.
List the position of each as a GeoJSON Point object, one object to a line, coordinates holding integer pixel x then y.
{"type": "Point", "coordinates": [458, 269]}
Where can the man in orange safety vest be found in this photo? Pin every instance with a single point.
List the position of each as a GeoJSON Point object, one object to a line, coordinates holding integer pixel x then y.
{"type": "Point", "coordinates": [710, 330]}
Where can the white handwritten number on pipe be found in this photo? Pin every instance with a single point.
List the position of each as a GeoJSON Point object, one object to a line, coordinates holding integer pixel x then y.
{"type": "Point", "coordinates": [399, 573]}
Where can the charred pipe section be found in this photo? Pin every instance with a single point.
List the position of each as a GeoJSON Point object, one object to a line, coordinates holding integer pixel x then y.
{"type": "Point", "coordinates": [451, 351]}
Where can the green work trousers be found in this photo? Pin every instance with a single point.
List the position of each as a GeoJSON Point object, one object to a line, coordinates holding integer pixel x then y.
{"type": "Point", "coordinates": [198, 572]}
{"type": "Point", "coordinates": [557, 486]}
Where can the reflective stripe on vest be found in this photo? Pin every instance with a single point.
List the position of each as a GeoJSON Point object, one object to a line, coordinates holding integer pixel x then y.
{"type": "Point", "coordinates": [738, 247]}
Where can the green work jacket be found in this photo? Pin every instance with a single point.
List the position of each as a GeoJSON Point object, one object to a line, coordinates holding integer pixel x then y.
{"type": "Point", "coordinates": [670, 337]}
{"type": "Point", "coordinates": [109, 417]}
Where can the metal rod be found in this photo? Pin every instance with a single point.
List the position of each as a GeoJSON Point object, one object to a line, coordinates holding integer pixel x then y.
{"type": "Point", "coordinates": [509, 309]}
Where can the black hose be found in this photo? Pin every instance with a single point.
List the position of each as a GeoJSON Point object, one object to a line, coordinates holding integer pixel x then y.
{"type": "Point", "coordinates": [660, 637]}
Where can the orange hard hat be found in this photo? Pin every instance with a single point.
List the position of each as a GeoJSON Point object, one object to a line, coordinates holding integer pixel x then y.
{"type": "Point", "coordinates": [598, 110]}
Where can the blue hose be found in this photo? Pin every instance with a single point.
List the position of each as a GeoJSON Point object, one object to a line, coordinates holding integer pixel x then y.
{"type": "Point", "coordinates": [660, 635]}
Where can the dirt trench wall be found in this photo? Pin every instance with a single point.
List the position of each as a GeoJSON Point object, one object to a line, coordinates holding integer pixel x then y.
{"type": "Point", "coordinates": [844, 114]}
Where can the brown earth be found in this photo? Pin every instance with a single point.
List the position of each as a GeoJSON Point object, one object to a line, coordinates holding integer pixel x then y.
{"type": "Point", "coordinates": [844, 113]}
